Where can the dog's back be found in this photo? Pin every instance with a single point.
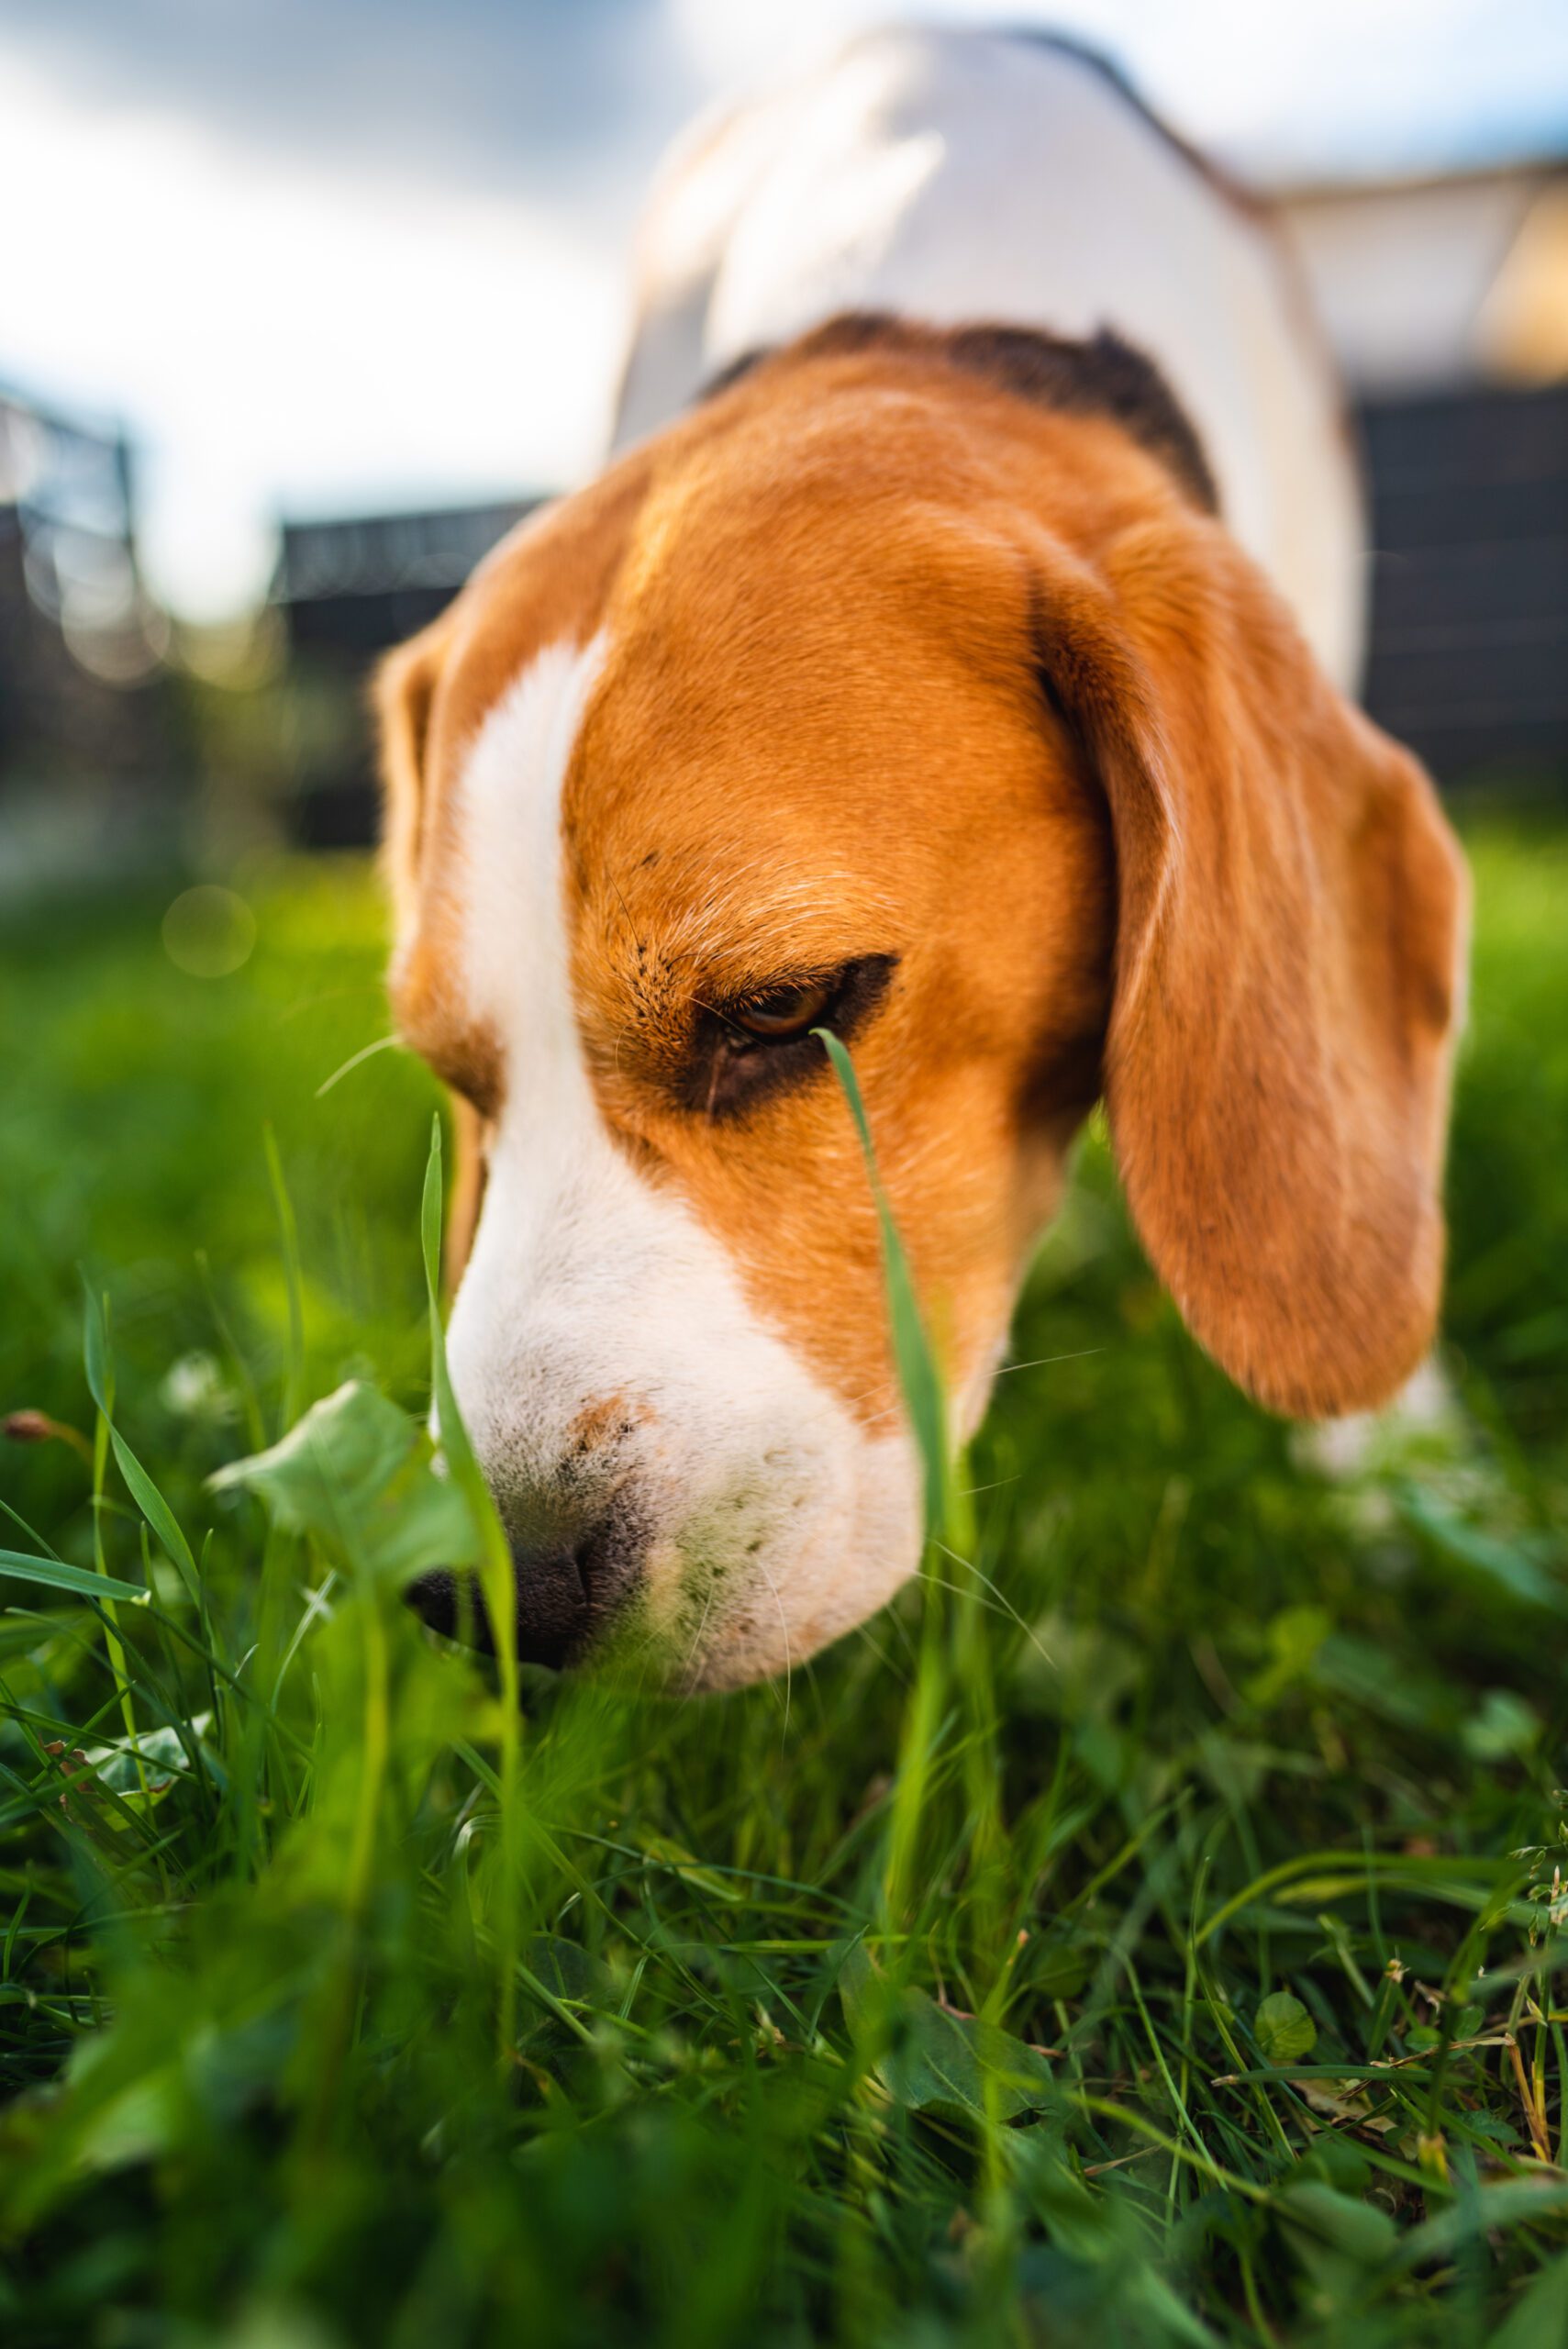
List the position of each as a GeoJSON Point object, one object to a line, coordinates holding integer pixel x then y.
{"type": "Point", "coordinates": [952, 177]}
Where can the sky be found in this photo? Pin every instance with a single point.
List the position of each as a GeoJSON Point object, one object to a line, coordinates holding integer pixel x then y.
{"type": "Point", "coordinates": [329, 256]}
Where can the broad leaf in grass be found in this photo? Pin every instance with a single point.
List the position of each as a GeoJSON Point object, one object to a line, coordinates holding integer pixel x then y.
{"type": "Point", "coordinates": [1539, 2318]}
{"type": "Point", "coordinates": [128, 2110]}
{"type": "Point", "coordinates": [1506, 1728]}
{"type": "Point", "coordinates": [161, 1753]}
{"type": "Point", "coordinates": [1517, 1566]}
{"type": "Point", "coordinates": [933, 2060]}
{"type": "Point", "coordinates": [356, 1474]}
{"type": "Point", "coordinates": [1526, 2200]}
{"type": "Point", "coordinates": [1341, 2223]}
{"type": "Point", "coordinates": [1285, 2032]}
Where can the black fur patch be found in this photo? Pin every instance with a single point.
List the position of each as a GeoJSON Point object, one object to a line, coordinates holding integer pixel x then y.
{"type": "Point", "coordinates": [1100, 376]}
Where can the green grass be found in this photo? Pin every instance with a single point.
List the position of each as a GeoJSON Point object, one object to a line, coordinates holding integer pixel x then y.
{"type": "Point", "coordinates": [339, 2006]}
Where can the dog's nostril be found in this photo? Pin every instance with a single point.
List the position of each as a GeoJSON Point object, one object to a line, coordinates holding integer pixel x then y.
{"type": "Point", "coordinates": [436, 1596]}
{"type": "Point", "coordinates": [552, 1603]}
{"type": "Point", "coordinates": [558, 1601]}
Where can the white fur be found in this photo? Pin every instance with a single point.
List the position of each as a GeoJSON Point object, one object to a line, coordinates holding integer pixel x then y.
{"type": "Point", "coordinates": [954, 176]}
{"type": "Point", "coordinates": [774, 1521]}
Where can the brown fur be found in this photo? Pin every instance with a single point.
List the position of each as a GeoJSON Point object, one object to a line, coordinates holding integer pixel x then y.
{"type": "Point", "coordinates": [901, 663]}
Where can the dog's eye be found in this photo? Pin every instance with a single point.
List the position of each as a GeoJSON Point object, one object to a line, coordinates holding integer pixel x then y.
{"type": "Point", "coordinates": [748, 1049]}
{"type": "Point", "coordinates": [780, 1016]}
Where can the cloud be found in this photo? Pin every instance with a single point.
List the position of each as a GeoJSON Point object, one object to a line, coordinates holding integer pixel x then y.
{"type": "Point", "coordinates": [1356, 85]}
{"type": "Point", "coordinates": [285, 339]}
{"type": "Point", "coordinates": [361, 251]}
{"type": "Point", "coordinates": [570, 97]}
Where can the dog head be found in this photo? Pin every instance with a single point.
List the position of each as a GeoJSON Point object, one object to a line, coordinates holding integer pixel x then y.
{"type": "Point", "coordinates": [880, 695]}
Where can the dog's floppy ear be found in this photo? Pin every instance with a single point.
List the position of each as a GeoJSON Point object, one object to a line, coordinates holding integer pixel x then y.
{"type": "Point", "coordinates": [405, 691]}
{"type": "Point", "coordinates": [1288, 963]}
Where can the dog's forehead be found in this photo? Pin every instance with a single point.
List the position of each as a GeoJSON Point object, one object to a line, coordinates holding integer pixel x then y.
{"type": "Point", "coordinates": [745, 795]}
{"type": "Point", "coordinates": [662, 829]}
{"type": "Point", "coordinates": [781, 593]}
{"type": "Point", "coordinates": [744, 714]}
{"type": "Point", "coordinates": [779, 724]}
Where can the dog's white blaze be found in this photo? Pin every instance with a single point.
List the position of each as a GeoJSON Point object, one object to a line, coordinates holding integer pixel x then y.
{"type": "Point", "coordinates": [776, 1521]}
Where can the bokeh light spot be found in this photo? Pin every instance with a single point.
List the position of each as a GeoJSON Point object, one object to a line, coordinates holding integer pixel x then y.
{"type": "Point", "coordinates": [208, 932]}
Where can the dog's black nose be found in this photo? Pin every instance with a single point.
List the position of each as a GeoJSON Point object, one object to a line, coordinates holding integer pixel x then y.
{"type": "Point", "coordinates": [556, 1608]}
{"type": "Point", "coordinates": [553, 1605]}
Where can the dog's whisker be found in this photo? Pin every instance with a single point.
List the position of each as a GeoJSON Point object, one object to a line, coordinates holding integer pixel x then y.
{"type": "Point", "coordinates": [1044, 1362]}
{"type": "Point", "coordinates": [1001, 1606]}
{"type": "Point", "coordinates": [1004, 1604]}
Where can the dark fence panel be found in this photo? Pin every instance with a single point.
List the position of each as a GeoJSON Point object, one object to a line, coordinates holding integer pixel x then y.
{"type": "Point", "coordinates": [348, 591]}
{"type": "Point", "coordinates": [1469, 579]}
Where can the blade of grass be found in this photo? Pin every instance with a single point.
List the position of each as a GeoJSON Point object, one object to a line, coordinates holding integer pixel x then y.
{"type": "Point", "coordinates": [293, 1378]}
{"type": "Point", "coordinates": [143, 1491]}
{"type": "Point", "coordinates": [101, 1378]}
{"type": "Point", "coordinates": [950, 1525]}
{"type": "Point", "coordinates": [919, 1375]}
{"type": "Point", "coordinates": [84, 1582]}
{"type": "Point", "coordinates": [495, 1575]}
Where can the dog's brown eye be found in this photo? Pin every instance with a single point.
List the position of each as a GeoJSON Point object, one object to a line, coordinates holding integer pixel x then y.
{"type": "Point", "coordinates": [747, 1050]}
{"type": "Point", "coordinates": [787, 1012]}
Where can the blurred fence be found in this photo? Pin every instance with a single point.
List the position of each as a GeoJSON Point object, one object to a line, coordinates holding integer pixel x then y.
{"type": "Point", "coordinates": [349, 590]}
{"type": "Point", "coordinates": [1469, 579]}
{"type": "Point", "coordinates": [354, 588]}
{"type": "Point", "coordinates": [79, 639]}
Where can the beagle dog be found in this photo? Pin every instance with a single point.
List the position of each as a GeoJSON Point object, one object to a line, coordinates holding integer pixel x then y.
{"type": "Point", "coordinates": [955, 655]}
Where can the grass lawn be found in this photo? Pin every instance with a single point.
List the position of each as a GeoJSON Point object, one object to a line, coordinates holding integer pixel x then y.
{"type": "Point", "coordinates": [1149, 1931]}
